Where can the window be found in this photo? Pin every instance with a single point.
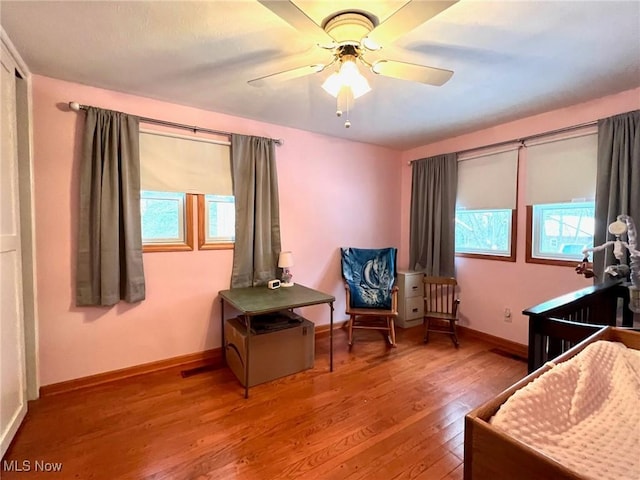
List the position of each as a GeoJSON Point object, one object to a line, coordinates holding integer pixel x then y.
{"type": "Point", "coordinates": [484, 232]}
{"type": "Point", "coordinates": [175, 171]}
{"type": "Point", "coordinates": [216, 221]}
{"type": "Point", "coordinates": [486, 204]}
{"type": "Point", "coordinates": [562, 230]}
{"type": "Point", "coordinates": [166, 220]}
{"type": "Point", "coordinates": [560, 188]}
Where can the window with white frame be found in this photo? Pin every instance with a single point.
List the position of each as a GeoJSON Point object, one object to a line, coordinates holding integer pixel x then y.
{"type": "Point", "coordinates": [562, 230]}
{"type": "Point", "coordinates": [175, 171]}
{"type": "Point", "coordinates": [560, 192]}
{"type": "Point", "coordinates": [217, 221]}
{"type": "Point", "coordinates": [486, 204]}
{"type": "Point", "coordinates": [163, 217]}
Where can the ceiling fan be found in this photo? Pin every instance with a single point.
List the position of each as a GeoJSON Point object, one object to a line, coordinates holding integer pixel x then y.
{"type": "Point", "coordinates": [349, 35]}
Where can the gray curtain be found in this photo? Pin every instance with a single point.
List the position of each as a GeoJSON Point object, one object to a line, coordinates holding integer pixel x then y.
{"type": "Point", "coordinates": [109, 262]}
{"type": "Point", "coordinates": [433, 203]}
{"type": "Point", "coordinates": [255, 187]}
{"type": "Point", "coordinates": [618, 179]}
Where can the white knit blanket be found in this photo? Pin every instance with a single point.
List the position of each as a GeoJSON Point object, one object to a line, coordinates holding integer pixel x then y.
{"type": "Point", "coordinates": [584, 413]}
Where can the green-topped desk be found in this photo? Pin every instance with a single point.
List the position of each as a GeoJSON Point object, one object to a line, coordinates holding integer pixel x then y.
{"type": "Point", "coordinates": [252, 301]}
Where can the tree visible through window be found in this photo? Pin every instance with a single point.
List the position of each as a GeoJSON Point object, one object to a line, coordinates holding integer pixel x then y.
{"type": "Point", "coordinates": [562, 230]}
{"type": "Point", "coordinates": [216, 221]}
{"type": "Point", "coordinates": [166, 221]}
{"type": "Point", "coordinates": [486, 202]}
{"type": "Point", "coordinates": [220, 218]}
{"type": "Point", "coordinates": [172, 165]}
{"type": "Point", "coordinates": [484, 232]}
{"type": "Point", "coordinates": [162, 216]}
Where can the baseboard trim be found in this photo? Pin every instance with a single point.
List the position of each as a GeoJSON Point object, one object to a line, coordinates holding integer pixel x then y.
{"type": "Point", "coordinates": [323, 330]}
{"type": "Point", "coordinates": [211, 357]}
{"type": "Point", "coordinates": [192, 360]}
{"type": "Point", "coordinates": [513, 348]}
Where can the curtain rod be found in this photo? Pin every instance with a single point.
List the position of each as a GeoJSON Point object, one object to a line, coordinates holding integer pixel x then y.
{"type": "Point", "coordinates": [523, 139]}
{"type": "Point", "coordinates": [75, 106]}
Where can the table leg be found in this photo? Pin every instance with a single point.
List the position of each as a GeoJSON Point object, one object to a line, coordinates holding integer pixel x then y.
{"type": "Point", "coordinates": [246, 361]}
{"type": "Point", "coordinates": [224, 347]}
{"type": "Point", "coordinates": [331, 338]}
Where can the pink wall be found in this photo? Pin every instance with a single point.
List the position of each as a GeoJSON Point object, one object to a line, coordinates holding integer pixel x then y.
{"type": "Point", "coordinates": [333, 193]}
{"type": "Point", "coordinates": [330, 196]}
{"type": "Point", "coordinates": [488, 287]}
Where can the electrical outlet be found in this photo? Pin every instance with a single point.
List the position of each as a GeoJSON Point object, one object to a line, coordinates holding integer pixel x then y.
{"type": "Point", "coordinates": [507, 315]}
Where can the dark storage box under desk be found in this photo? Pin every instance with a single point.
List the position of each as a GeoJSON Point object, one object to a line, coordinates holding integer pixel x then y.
{"type": "Point", "coordinates": [281, 344]}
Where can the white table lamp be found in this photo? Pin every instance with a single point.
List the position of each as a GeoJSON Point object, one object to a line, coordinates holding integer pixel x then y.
{"type": "Point", "coordinates": [284, 262]}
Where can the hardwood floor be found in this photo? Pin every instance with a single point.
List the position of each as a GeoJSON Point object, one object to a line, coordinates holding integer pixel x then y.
{"type": "Point", "coordinates": [382, 414]}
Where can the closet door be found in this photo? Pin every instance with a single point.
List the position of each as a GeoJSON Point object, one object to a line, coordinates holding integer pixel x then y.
{"type": "Point", "coordinates": [13, 390]}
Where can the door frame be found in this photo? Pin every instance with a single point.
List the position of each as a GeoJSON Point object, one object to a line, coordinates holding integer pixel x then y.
{"type": "Point", "coordinates": [27, 215]}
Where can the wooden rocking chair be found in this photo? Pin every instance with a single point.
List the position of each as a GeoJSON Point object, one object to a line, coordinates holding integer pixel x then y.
{"type": "Point", "coordinates": [371, 296]}
{"type": "Point", "coordinates": [440, 307]}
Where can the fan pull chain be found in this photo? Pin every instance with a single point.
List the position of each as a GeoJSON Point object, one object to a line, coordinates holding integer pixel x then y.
{"type": "Point", "coordinates": [345, 100]}
{"type": "Point", "coordinates": [347, 122]}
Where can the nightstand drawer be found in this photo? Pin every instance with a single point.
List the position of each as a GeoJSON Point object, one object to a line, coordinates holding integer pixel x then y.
{"type": "Point", "coordinates": [413, 286]}
{"type": "Point", "coordinates": [414, 308]}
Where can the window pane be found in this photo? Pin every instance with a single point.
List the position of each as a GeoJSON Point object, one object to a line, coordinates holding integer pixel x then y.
{"type": "Point", "coordinates": [162, 216]}
{"type": "Point", "coordinates": [221, 218]}
{"type": "Point", "coordinates": [485, 232]}
{"type": "Point", "coordinates": [562, 230]}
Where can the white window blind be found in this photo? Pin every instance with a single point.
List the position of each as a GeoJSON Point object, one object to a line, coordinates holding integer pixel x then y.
{"type": "Point", "coordinates": [171, 163]}
{"type": "Point", "coordinates": [488, 180]}
{"type": "Point", "coordinates": [560, 170]}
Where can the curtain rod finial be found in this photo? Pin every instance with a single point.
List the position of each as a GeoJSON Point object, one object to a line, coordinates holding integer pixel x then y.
{"type": "Point", "coordinates": [75, 106]}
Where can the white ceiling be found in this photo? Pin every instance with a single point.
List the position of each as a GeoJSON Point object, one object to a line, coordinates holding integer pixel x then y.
{"type": "Point", "coordinates": [511, 59]}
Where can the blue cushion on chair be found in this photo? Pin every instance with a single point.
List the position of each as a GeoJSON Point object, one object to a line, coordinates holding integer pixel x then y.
{"type": "Point", "coordinates": [370, 274]}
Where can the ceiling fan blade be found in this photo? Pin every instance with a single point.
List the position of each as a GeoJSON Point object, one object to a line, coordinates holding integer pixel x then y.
{"type": "Point", "coordinates": [408, 17]}
{"type": "Point", "coordinates": [299, 20]}
{"type": "Point", "coordinates": [286, 75]}
{"type": "Point", "coordinates": [412, 72]}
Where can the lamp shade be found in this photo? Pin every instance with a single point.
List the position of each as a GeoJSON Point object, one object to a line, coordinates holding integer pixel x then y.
{"type": "Point", "coordinates": [348, 76]}
{"type": "Point", "coordinates": [332, 84]}
{"type": "Point", "coordinates": [285, 260]}
{"type": "Point", "coordinates": [360, 86]}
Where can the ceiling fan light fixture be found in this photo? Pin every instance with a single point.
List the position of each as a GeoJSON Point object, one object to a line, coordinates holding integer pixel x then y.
{"type": "Point", "coordinates": [351, 76]}
{"type": "Point", "coordinates": [348, 34]}
{"type": "Point", "coordinates": [359, 86]}
{"type": "Point", "coordinates": [348, 76]}
{"type": "Point", "coordinates": [332, 84]}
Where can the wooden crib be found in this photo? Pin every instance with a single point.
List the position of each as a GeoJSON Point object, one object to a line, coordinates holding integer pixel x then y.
{"type": "Point", "coordinates": [558, 330]}
{"type": "Point", "coordinates": [557, 325]}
